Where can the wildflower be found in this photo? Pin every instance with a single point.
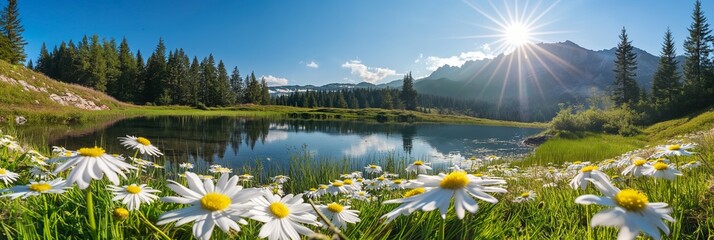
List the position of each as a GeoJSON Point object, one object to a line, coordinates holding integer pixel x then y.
{"type": "Point", "coordinates": [631, 211]}
{"type": "Point", "coordinates": [339, 215]}
{"type": "Point", "coordinates": [458, 185]}
{"type": "Point", "coordinates": [133, 195]}
{"type": "Point", "coordinates": [525, 196]}
{"type": "Point", "coordinates": [220, 170]}
{"type": "Point", "coordinates": [607, 164]}
{"type": "Point", "coordinates": [312, 193]}
{"type": "Point", "coordinates": [674, 150]}
{"type": "Point", "coordinates": [352, 184]}
{"type": "Point", "coordinates": [140, 143]}
{"type": "Point", "coordinates": [8, 177]}
{"type": "Point", "coordinates": [337, 187]}
{"type": "Point", "coordinates": [245, 177]}
{"type": "Point", "coordinates": [691, 165]}
{"type": "Point", "coordinates": [577, 165]}
{"type": "Point", "coordinates": [56, 186]}
{"type": "Point", "coordinates": [186, 165]}
{"type": "Point", "coordinates": [205, 177]}
{"type": "Point", "coordinates": [587, 172]}
{"type": "Point", "coordinates": [283, 216]}
{"type": "Point", "coordinates": [220, 204]}
{"type": "Point", "coordinates": [373, 169]}
{"type": "Point", "coordinates": [418, 166]}
{"type": "Point", "coordinates": [638, 168]}
{"type": "Point", "coordinates": [93, 163]}
{"type": "Point", "coordinates": [550, 185]}
{"type": "Point", "coordinates": [120, 213]}
{"type": "Point", "coordinates": [663, 170]}
{"type": "Point", "coordinates": [280, 179]}
{"type": "Point", "coordinates": [362, 196]}
{"type": "Point", "coordinates": [141, 162]}
{"type": "Point", "coordinates": [398, 184]}
{"type": "Point", "coordinates": [40, 172]}
{"type": "Point", "coordinates": [322, 189]}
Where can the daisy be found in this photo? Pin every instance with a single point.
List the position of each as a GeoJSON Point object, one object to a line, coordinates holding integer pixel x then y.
{"type": "Point", "coordinates": [588, 172]}
{"type": "Point", "coordinates": [322, 189]}
{"type": "Point", "coordinates": [352, 184]}
{"type": "Point", "coordinates": [280, 179]}
{"type": "Point", "coordinates": [607, 164]}
{"type": "Point", "coordinates": [337, 187]}
{"type": "Point", "coordinates": [140, 143]}
{"type": "Point", "coordinates": [40, 172]}
{"type": "Point", "coordinates": [631, 211]}
{"type": "Point", "coordinates": [133, 195]}
{"type": "Point", "coordinates": [283, 216]}
{"type": "Point", "coordinates": [525, 197]}
{"type": "Point", "coordinates": [577, 165]}
{"type": "Point", "coordinates": [93, 163]}
{"type": "Point", "coordinates": [674, 150]}
{"type": "Point", "coordinates": [220, 204]}
{"type": "Point", "coordinates": [312, 193]}
{"type": "Point", "coordinates": [8, 177]}
{"type": "Point", "coordinates": [638, 168]}
{"type": "Point", "coordinates": [362, 196]}
{"type": "Point", "coordinates": [36, 188]}
{"type": "Point", "coordinates": [691, 165]}
{"type": "Point", "coordinates": [398, 184]}
{"type": "Point", "coordinates": [339, 215]}
{"type": "Point", "coordinates": [663, 170]}
{"type": "Point", "coordinates": [274, 188]}
{"type": "Point", "coordinates": [418, 166]}
{"type": "Point", "coordinates": [373, 169]}
{"type": "Point", "coordinates": [443, 187]}
{"type": "Point", "coordinates": [141, 162]}
{"type": "Point", "coordinates": [186, 165]}
{"type": "Point", "coordinates": [220, 170]}
{"type": "Point", "coordinates": [245, 177]}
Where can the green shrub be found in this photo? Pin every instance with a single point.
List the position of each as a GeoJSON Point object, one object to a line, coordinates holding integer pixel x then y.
{"type": "Point", "coordinates": [620, 120]}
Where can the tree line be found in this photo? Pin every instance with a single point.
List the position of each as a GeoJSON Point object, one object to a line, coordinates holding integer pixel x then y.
{"type": "Point", "coordinates": [12, 44]}
{"type": "Point", "coordinates": [175, 79]}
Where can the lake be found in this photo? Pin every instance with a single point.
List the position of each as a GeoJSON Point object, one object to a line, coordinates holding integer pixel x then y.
{"type": "Point", "coordinates": [236, 142]}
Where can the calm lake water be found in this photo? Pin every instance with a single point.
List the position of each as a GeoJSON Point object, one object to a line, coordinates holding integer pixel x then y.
{"type": "Point", "coordinates": [235, 142]}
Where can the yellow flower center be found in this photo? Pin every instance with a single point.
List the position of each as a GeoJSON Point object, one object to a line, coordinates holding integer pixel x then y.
{"type": "Point", "coordinates": [279, 209]}
{"type": "Point", "coordinates": [3, 171]}
{"type": "Point", "coordinates": [525, 194]}
{"type": "Point", "coordinates": [133, 189]}
{"type": "Point", "coordinates": [661, 166]}
{"type": "Point", "coordinates": [577, 162]}
{"type": "Point", "coordinates": [609, 160]}
{"type": "Point", "coordinates": [143, 141]}
{"type": "Point", "coordinates": [589, 168]}
{"type": "Point", "coordinates": [40, 187]}
{"type": "Point", "coordinates": [338, 184]}
{"type": "Point", "coordinates": [361, 193]}
{"type": "Point", "coordinates": [381, 178]}
{"type": "Point", "coordinates": [419, 163]}
{"type": "Point", "coordinates": [360, 179]}
{"type": "Point", "coordinates": [67, 154]}
{"type": "Point", "coordinates": [313, 189]}
{"type": "Point", "coordinates": [348, 181]}
{"type": "Point", "coordinates": [214, 201]}
{"type": "Point", "coordinates": [455, 180]}
{"type": "Point", "coordinates": [640, 162]}
{"type": "Point", "coordinates": [398, 181]}
{"type": "Point", "coordinates": [674, 147]}
{"type": "Point", "coordinates": [631, 200]}
{"type": "Point", "coordinates": [91, 152]}
{"type": "Point", "coordinates": [372, 166]}
{"type": "Point", "coordinates": [335, 207]}
{"type": "Point", "coordinates": [121, 213]}
{"type": "Point", "coordinates": [414, 192]}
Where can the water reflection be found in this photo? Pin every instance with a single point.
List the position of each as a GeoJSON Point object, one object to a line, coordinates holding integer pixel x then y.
{"type": "Point", "coordinates": [238, 141]}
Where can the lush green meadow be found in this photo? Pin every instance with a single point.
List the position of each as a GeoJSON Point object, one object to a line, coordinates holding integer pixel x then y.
{"type": "Point", "coordinates": [553, 214]}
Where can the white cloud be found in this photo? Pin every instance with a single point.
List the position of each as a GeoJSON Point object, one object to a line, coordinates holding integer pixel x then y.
{"type": "Point", "coordinates": [274, 81]}
{"type": "Point", "coordinates": [368, 74]}
{"type": "Point", "coordinates": [434, 62]}
{"type": "Point", "coordinates": [369, 143]}
{"type": "Point", "coordinates": [312, 64]}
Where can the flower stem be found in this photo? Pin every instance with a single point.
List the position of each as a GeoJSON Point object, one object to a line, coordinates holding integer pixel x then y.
{"type": "Point", "coordinates": [161, 233]}
{"type": "Point", "coordinates": [90, 213]}
{"type": "Point", "coordinates": [443, 228]}
{"type": "Point", "coordinates": [329, 224]}
{"type": "Point", "coordinates": [46, 228]}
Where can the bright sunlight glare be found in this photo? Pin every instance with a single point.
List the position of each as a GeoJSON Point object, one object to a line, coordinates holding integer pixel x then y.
{"type": "Point", "coordinates": [517, 34]}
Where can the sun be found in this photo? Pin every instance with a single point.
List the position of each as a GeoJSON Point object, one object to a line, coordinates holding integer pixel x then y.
{"type": "Point", "coordinates": [517, 34]}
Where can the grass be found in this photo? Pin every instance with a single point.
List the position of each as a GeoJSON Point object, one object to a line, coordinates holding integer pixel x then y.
{"type": "Point", "coordinates": [553, 215]}
{"type": "Point", "coordinates": [681, 126]}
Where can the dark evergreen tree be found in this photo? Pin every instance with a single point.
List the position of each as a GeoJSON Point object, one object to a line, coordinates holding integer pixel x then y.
{"type": "Point", "coordinates": [111, 57]}
{"type": "Point", "coordinates": [97, 66]}
{"type": "Point", "coordinates": [208, 80]}
{"type": "Point", "coordinates": [408, 94]}
{"type": "Point", "coordinates": [155, 73]}
{"type": "Point", "coordinates": [237, 85]}
{"type": "Point", "coordinates": [126, 84]}
{"type": "Point", "coordinates": [698, 79]}
{"type": "Point", "coordinates": [265, 93]}
{"type": "Point", "coordinates": [665, 83]}
{"type": "Point", "coordinates": [194, 80]}
{"type": "Point", "coordinates": [30, 65]}
{"type": "Point", "coordinates": [624, 88]}
{"type": "Point", "coordinates": [387, 100]}
{"type": "Point", "coordinates": [253, 93]}
{"type": "Point", "coordinates": [224, 94]}
{"type": "Point", "coordinates": [44, 60]}
{"type": "Point", "coordinates": [140, 78]}
{"type": "Point", "coordinates": [12, 31]}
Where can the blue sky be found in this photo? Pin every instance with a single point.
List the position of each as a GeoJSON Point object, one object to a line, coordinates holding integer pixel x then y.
{"type": "Point", "coordinates": [319, 42]}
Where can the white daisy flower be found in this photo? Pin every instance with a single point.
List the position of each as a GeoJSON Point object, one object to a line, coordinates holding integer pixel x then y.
{"type": "Point", "coordinates": [274, 188]}
{"type": "Point", "coordinates": [440, 189]}
{"type": "Point", "coordinates": [312, 193]}
{"type": "Point", "coordinates": [220, 170]}
{"type": "Point", "coordinates": [186, 165]}
{"type": "Point", "coordinates": [691, 165]}
{"type": "Point", "coordinates": [140, 143]}
{"type": "Point", "coordinates": [607, 164]}
{"type": "Point", "coordinates": [674, 150]}
{"type": "Point", "coordinates": [245, 177]}
{"type": "Point", "coordinates": [133, 195]}
{"type": "Point", "coordinates": [525, 197]}
{"type": "Point", "coordinates": [361, 195]}
{"type": "Point", "coordinates": [8, 177]}
{"type": "Point", "coordinates": [93, 163]}
{"type": "Point", "coordinates": [373, 169]}
{"type": "Point", "coordinates": [550, 185]}
{"type": "Point", "coordinates": [577, 165]}
{"type": "Point", "coordinates": [280, 179]}
{"type": "Point", "coordinates": [339, 215]}
{"type": "Point", "coordinates": [631, 212]}
{"type": "Point", "coordinates": [663, 170]}
{"type": "Point", "coordinates": [283, 217]}
{"type": "Point", "coordinates": [337, 187]}
{"type": "Point", "coordinates": [419, 167]}
{"type": "Point", "coordinates": [491, 158]}
{"type": "Point", "coordinates": [220, 204]}
{"type": "Point", "coordinates": [587, 172]}
{"type": "Point", "coordinates": [55, 186]}
{"type": "Point", "coordinates": [401, 210]}
{"type": "Point", "coordinates": [141, 162]}
{"type": "Point", "coordinates": [398, 184]}
{"type": "Point", "coordinates": [352, 184]}
{"type": "Point", "coordinates": [638, 168]}
{"type": "Point", "coordinates": [205, 177]}
{"type": "Point", "coordinates": [40, 172]}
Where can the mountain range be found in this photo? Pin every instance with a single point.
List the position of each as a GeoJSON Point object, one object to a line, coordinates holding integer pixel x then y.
{"type": "Point", "coordinates": [534, 77]}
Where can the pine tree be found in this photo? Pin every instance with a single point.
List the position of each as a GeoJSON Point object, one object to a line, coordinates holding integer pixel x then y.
{"type": "Point", "coordinates": [12, 31]}
{"type": "Point", "coordinates": [97, 70]}
{"type": "Point", "coordinates": [237, 85]}
{"type": "Point", "coordinates": [624, 88]}
{"type": "Point", "coordinates": [408, 94]}
{"type": "Point", "coordinates": [387, 100]}
{"type": "Point", "coordinates": [665, 83]}
{"type": "Point", "coordinates": [111, 57]}
{"type": "Point", "coordinates": [155, 73]}
{"type": "Point", "coordinates": [126, 83]}
{"type": "Point", "coordinates": [30, 65]}
{"type": "Point", "coordinates": [208, 79]}
{"type": "Point", "coordinates": [224, 94]}
{"type": "Point", "coordinates": [138, 86]}
{"type": "Point", "coordinates": [265, 93]}
{"type": "Point", "coordinates": [341, 102]}
{"type": "Point", "coordinates": [697, 65]}
{"type": "Point", "coordinates": [44, 60]}
{"type": "Point", "coordinates": [252, 90]}
{"type": "Point", "coordinates": [194, 79]}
